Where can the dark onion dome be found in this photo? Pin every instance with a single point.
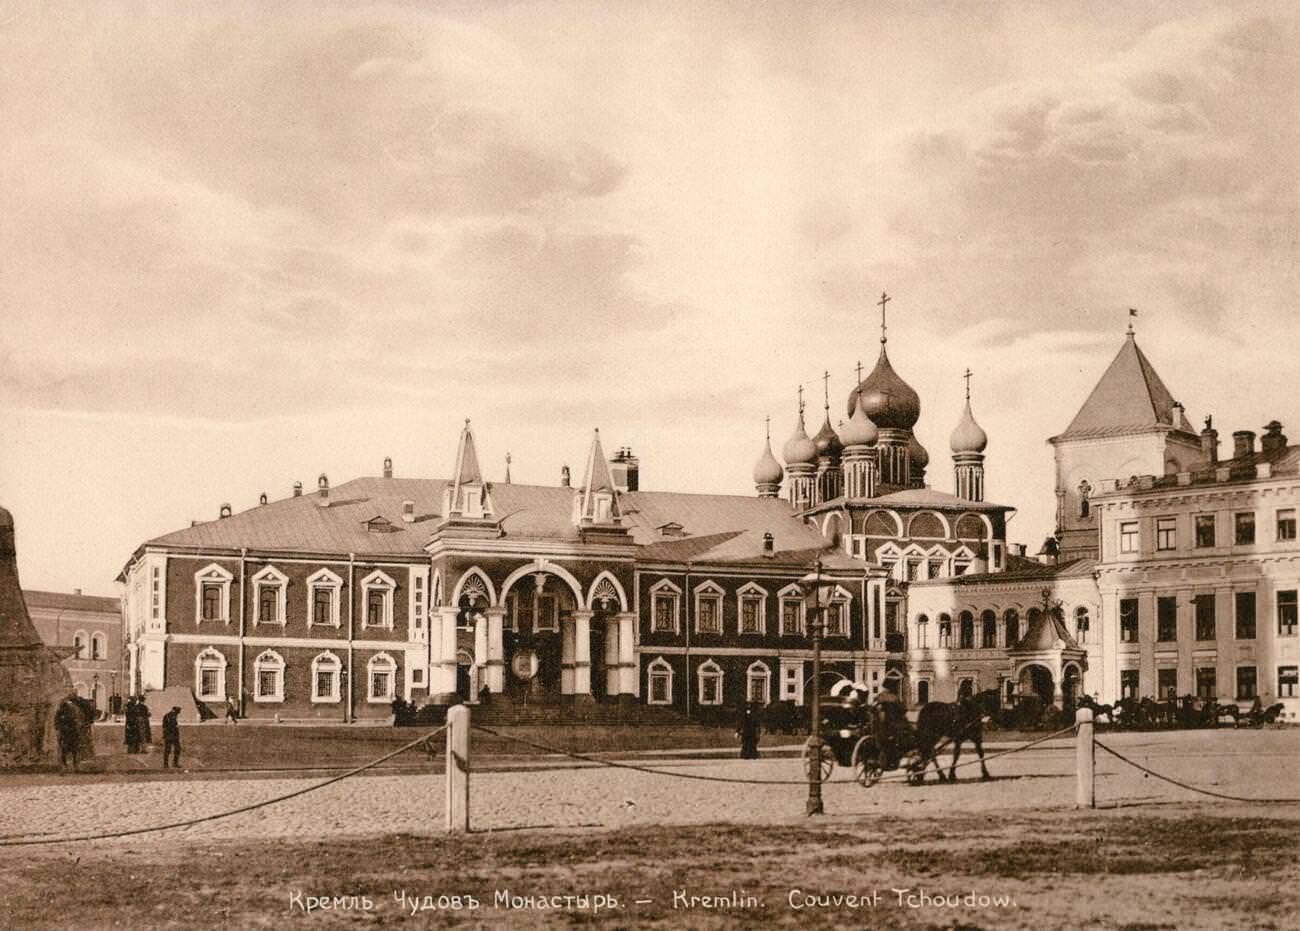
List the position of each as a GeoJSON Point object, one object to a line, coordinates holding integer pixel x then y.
{"type": "Point", "coordinates": [799, 450]}
{"type": "Point", "coordinates": [827, 440]}
{"type": "Point", "coordinates": [969, 437]}
{"type": "Point", "coordinates": [859, 431]}
{"type": "Point", "coordinates": [767, 471]}
{"type": "Point", "coordinates": [889, 401]}
{"type": "Point", "coordinates": [916, 452]}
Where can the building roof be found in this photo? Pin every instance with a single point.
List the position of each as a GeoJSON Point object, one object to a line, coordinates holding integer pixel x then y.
{"type": "Point", "coordinates": [1129, 398]}
{"type": "Point", "coordinates": [1021, 569]}
{"type": "Point", "coordinates": [1283, 462]}
{"type": "Point", "coordinates": [1046, 632]}
{"type": "Point", "coordinates": [71, 601]}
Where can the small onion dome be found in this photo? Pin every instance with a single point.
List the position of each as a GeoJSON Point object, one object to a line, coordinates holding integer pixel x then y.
{"type": "Point", "coordinates": [799, 449]}
{"type": "Point", "coordinates": [969, 437]}
{"type": "Point", "coordinates": [827, 440]}
{"type": "Point", "coordinates": [767, 471]}
{"type": "Point", "coordinates": [920, 458]}
{"type": "Point", "coordinates": [859, 431]}
{"type": "Point", "coordinates": [887, 399]}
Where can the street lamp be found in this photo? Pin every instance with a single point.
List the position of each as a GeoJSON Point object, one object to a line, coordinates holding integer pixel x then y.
{"type": "Point", "coordinates": [812, 585]}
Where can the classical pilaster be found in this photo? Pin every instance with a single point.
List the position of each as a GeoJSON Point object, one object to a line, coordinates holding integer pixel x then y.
{"type": "Point", "coordinates": [566, 655]}
{"type": "Point", "coordinates": [582, 653]}
{"type": "Point", "coordinates": [443, 661]}
{"type": "Point", "coordinates": [496, 672]}
{"type": "Point", "coordinates": [612, 675]}
{"type": "Point", "coordinates": [629, 681]}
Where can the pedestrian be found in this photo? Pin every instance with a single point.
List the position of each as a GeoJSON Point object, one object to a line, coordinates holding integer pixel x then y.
{"type": "Point", "coordinates": [748, 730]}
{"type": "Point", "coordinates": [172, 737]}
{"type": "Point", "coordinates": [232, 716]}
{"type": "Point", "coordinates": [67, 724]}
{"type": "Point", "coordinates": [144, 733]}
{"type": "Point", "coordinates": [132, 727]}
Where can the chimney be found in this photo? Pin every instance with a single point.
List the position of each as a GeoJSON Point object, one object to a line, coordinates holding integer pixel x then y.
{"type": "Point", "coordinates": [408, 512]}
{"type": "Point", "coordinates": [261, 499]}
{"type": "Point", "coordinates": [1243, 443]}
{"type": "Point", "coordinates": [769, 545]}
{"type": "Point", "coordinates": [564, 476]}
{"type": "Point", "coordinates": [1273, 439]}
{"type": "Point", "coordinates": [1049, 552]}
{"type": "Point", "coordinates": [323, 490]}
{"type": "Point", "coordinates": [225, 511]}
{"type": "Point", "coordinates": [297, 489]}
{"type": "Point", "coordinates": [76, 591]}
{"type": "Point", "coordinates": [388, 467]}
{"type": "Point", "coordinates": [1210, 442]}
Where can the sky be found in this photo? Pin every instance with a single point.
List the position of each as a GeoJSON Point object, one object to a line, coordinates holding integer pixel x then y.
{"type": "Point", "coordinates": [245, 244]}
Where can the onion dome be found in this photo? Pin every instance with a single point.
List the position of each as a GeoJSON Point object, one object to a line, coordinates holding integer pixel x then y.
{"type": "Point", "coordinates": [767, 471]}
{"type": "Point", "coordinates": [799, 449]}
{"type": "Point", "coordinates": [859, 431]}
{"type": "Point", "coordinates": [969, 437]}
{"type": "Point", "coordinates": [889, 401]}
{"type": "Point", "coordinates": [916, 452]}
{"type": "Point", "coordinates": [827, 440]}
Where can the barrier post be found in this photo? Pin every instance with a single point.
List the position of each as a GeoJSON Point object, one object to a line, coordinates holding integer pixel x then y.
{"type": "Point", "coordinates": [458, 769]}
{"type": "Point", "coordinates": [1085, 754]}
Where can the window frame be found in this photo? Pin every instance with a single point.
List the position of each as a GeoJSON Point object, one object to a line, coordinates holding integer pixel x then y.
{"type": "Point", "coordinates": [755, 594]}
{"type": "Point", "coordinates": [1286, 525]}
{"type": "Point", "coordinates": [1288, 611]}
{"type": "Point", "coordinates": [324, 580]}
{"type": "Point", "coordinates": [1238, 525]}
{"type": "Point", "coordinates": [664, 591]}
{"type": "Point", "coordinates": [327, 662]}
{"type": "Point", "coordinates": [945, 631]}
{"type": "Point", "coordinates": [268, 661]}
{"type": "Point", "coordinates": [711, 592]}
{"type": "Point", "coordinates": [1161, 694]}
{"type": "Point", "coordinates": [1251, 693]}
{"type": "Point", "coordinates": [1166, 534]}
{"type": "Point", "coordinates": [840, 601]}
{"type": "Point", "coordinates": [988, 629]}
{"type": "Point", "coordinates": [98, 646]}
{"type": "Point", "coordinates": [758, 671]}
{"type": "Point", "coordinates": [1129, 621]}
{"type": "Point", "coordinates": [1204, 675]}
{"type": "Point", "coordinates": [792, 595]}
{"type": "Point", "coordinates": [1161, 629]}
{"type": "Point", "coordinates": [269, 577]}
{"type": "Point", "coordinates": [382, 583]}
{"type": "Point", "coordinates": [709, 671]}
{"type": "Point", "coordinates": [1205, 621]}
{"type": "Point", "coordinates": [381, 659]}
{"type": "Point", "coordinates": [1007, 629]}
{"type": "Point", "coordinates": [1130, 536]}
{"type": "Point", "coordinates": [221, 578]}
{"type": "Point", "coordinates": [1287, 688]}
{"type": "Point", "coordinates": [1201, 539]}
{"type": "Point", "coordinates": [80, 644]}
{"type": "Point", "coordinates": [210, 659]}
{"type": "Point", "coordinates": [966, 630]}
{"type": "Point", "coordinates": [659, 670]}
{"type": "Point", "coordinates": [1240, 630]}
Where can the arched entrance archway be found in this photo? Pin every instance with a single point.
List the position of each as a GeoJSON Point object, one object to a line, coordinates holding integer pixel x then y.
{"type": "Point", "coordinates": [1036, 679]}
{"type": "Point", "coordinates": [1071, 683]}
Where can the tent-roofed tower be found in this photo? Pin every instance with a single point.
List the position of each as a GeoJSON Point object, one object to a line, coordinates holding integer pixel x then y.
{"type": "Point", "coordinates": [1129, 425]}
{"type": "Point", "coordinates": [467, 500]}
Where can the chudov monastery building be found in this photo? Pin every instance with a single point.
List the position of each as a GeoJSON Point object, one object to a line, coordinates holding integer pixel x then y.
{"type": "Point", "coordinates": [1170, 568]}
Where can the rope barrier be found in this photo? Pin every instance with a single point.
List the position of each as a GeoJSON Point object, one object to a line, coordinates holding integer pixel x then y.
{"type": "Point", "coordinates": [425, 739]}
{"type": "Point", "coordinates": [902, 777]}
{"type": "Point", "coordinates": [1190, 788]}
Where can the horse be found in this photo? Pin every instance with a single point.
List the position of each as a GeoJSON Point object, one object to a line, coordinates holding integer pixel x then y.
{"type": "Point", "coordinates": [1220, 712]}
{"type": "Point", "coordinates": [1098, 709]}
{"type": "Point", "coordinates": [1264, 716]}
{"type": "Point", "coordinates": [938, 722]}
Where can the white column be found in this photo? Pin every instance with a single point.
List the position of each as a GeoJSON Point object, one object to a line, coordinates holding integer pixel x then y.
{"type": "Point", "coordinates": [496, 653]}
{"type": "Point", "coordinates": [566, 655]}
{"type": "Point", "coordinates": [444, 653]}
{"type": "Point", "coordinates": [627, 673]}
{"type": "Point", "coordinates": [612, 678]}
{"type": "Point", "coordinates": [582, 653]}
{"type": "Point", "coordinates": [480, 652]}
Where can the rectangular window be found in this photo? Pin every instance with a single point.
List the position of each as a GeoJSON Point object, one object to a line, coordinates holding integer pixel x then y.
{"type": "Point", "coordinates": [208, 683]}
{"type": "Point", "coordinates": [835, 619]}
{"type": "Point", "coordinates": [1286, 524]}
{"type": "Point", "coordinates": [1245, 605]}
{"type": "Point", "coordinates": [324, 683]}
{"type": "Point", "coordinates": [711, 690]}
{"type": "Point", "coordinates": [664, 605]}
{"type": "Point", "coordinates": [1246, 684]}
{"type": "Point", "coordinates": [708, 619]}
{"type": "Point", "coordinates": [1128, 683]}
{"type": "Point", "coordinates": [380, 684]}
{"type": "Point", "coordinates": [1288, 681]}
{"type": "Point", "coordinates": [1166, 619]}
{"type": "Point", "coordinates": [790, 682]}
{"type": "Point", "coordinates": [661, 688]}
{"type": "Point", "coordinates": [548, 613]}
{"type": "Point", "coordinates": [322, 606]}
{"type": "Point", "coordinates": [1128, 536]}
{"type": "Point", "coordinates": [1286, 613]}
{"type": "Point", "coordinates": [375, 608]}
{"type": "Point", "coordinates": [1128, 620]}
{"type": "Point", "coordinates": [211, 601]}
{"type": "Point", "coordinates": [913, 569]}
{"type": "Point", "coordinates": [267, 683]}
{"type": "Point", "coordinates": [758, 687]}
{"type": "Point", "coordinates": [1204, 617]}
{"type": "Point", "coordinates": [1166, 533]}
{"type": "Point", "coordinates": [1244, 528]}
{"type": "Point", "coordinates": [791, 616]}
{"type": "Point", "coordinates": [1206, 683]}
{"type": "Point", "coordinates": [749, 609]}
{"type": "Point", "coordinates": [524, 613]}
{"type": "Point", "coordinates": [417, 676]}
{"type": "Point", "coordinates": [268, 604]}
{"type": "Point", "coordinates": [1166, 683]}
{"type": "Point", "coordinates": [936, 569]}
{"type": "Point", "coordinates": [1204, 530]}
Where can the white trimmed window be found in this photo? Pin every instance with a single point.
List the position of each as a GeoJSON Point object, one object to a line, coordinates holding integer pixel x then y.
{"type": "Point", "coordinates": [79, 641]}
{"type": "Point", "coordinates": [659, 680]}
{"type": "Point", "coordinates": [98, 646]}
{"type": "Point", "coordinates": [323, 588]}
{"type": "Point", "coordinates": [751, 609]}
{"type": "Point", "coordinates": [708, 608]}
{"type": "Point", "coordinates": [547, 616]}
{"type": "Point", "coordinates": [417, 601]}
{"type": "Point", "coordinates": [269, 592]}
{"type": "Point", "coordinates": [837, 614]}
{"type": "Point", "coordinates": [664, 600]}
{"type": "Point", "coordinates": [792, 682]}
{"type": "Point", "coordinates": [326, 672]}
{"type": "Point", "coordinates": [710, 676]}
{"type": "Point", "coordinates": [377, 600]}
{"type": "Point", "coordinates": [922, 631]}
{"type": "Point", "coordinates": [791, 611]}
{"type": "Point", "coordinates": [210, 675]}
{"type": "Point", "coordinates": [268, 677]}
{"type": "Point", "coordinates": [381, 678]}
{"type": "Point", "coordinates": [212, 594]}
{"type": "Point", "coordinates": [758, 683]}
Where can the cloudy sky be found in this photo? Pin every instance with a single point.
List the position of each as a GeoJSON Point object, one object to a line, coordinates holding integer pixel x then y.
{"type": "Point", "coordinates": [243, 244]}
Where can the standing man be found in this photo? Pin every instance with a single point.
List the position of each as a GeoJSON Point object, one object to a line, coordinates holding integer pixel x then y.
{"type": "Point", "coordinates": [172, 737]}
{"type": "Point", "coordinates": [132, 727]}
{"type": "Point", "coordinates": [143, 732]}
{"type": "Point", "coordinates": [67, 723]}
{"type": "Point", "coordinates": [748, 730]}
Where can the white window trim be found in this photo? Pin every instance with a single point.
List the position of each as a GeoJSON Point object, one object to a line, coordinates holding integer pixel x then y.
{"type": "Point", "coordinates": [417, 615]}
{"type": "Point", "coordinates": [210, 658]}
{"type": "Point", "coordinates": [659, 668]}
{"type": "Point", "coordinates": [758, 669]}
{"type": "Point", "coordinates": [377, 581]}
{"type": "Point", "coordinates": [391, 669]}
{"type": "Point", "coordinates": [704, 591]}
{"type": "Point", "coordinates": [98, 646]}
{"type": "Point", "coordinates": [552, 624]}
{"type": "Point", "coordinates": [1137, 536]}
{"type": "Point", "coordinates": [270, 576]}
{"type": "Point", "coordinates": [335, 665]}
{"type": "Point", "coordinates": [667, 589]}
{"type": "Point", "coordinates": [795, 594]}
{"type": "Point", "coordinates": [213, 574]}
{"type": "Point", "coordinates": [81, 645]}
{"type": "Point", "coordinates": [268, 661]}
{"type": "Point", "coordinates": [842, 597]}
{"type": "Point", "coordinates": [324, 578]}
{"type": "Point", "coordinates": [709, 670]}
{"type": "Point", "coordinates": [751, 591]}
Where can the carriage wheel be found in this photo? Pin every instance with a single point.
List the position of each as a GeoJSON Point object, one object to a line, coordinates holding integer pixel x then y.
{"type": "Point", "coordinates": [866, 764]}
{"type": "Point", "coordinates": [827, 763]}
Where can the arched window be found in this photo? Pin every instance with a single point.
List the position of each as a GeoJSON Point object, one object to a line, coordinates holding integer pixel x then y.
{"type": "Point", "coordinates": [1085, 507]}
{"type": "Point", "coordinates": [1011, 621]}
{"type": "Point", "coordinates": [988, 630]}
{"type": "Point", "coordinates": [323, 588]}
{"type": "Point", "coordinates": [923, 691]}
{"type": "Point", "coordinates": [268, 677]}
{"type": "Point", "coordinates": [945, 630]}
{"type": "Point", "coordinates": [79, 641]}
{"type": "Point", "coordinates": [1081, 624]}
{"type": "Point", "coordinates": [708, 608]}
{"type": "Point", "coordinates": [710, 676]}
{"type": "Point", "coordinates": [965, 688]}
{"type": "Point", "coordinates": [659, 677]}
{"type": "Point", "coordinates": [210, 675]}
{"type": "Point", "coordinates": [966, 636]}
{"type": "Point", "coordinates": [922, 631]}
{"type": "Point", "coordinates": [269, 592]}
{"type": "Point", "coordinates": [98, 646]}
{"type": "Point", "coordinates": [381, 676]}
{"type": "Point", "coordinates": [377, 600]}
{"type": "Point", "coordinates": [758, 682]}
{"type": "Point", "coordinates": [325, 675]}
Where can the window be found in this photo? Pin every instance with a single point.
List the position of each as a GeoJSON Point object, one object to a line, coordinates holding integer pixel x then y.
{"type": "Point", "coordinates": [323, 589]}
{"type": "Point", "coordinates": [660, 676]}
{"type": "Point", "coordinates": [1166, 533]}
{"type": "Point", "coordinates": [791, 615]}
{"type": "Point", "coordinates": [1011, 621]}
{"type": "Point", "coordinates": [988, 630]}
{"type": "Point", "coordinates": [1246, 684]}
{"type": "Point", "coordinates": [913, 569]}
{"type": "Point", "coordinates": [922, 631]}
{"type": "Point", "coordinates": [1204, 617]}
{"type": "Point", "coordinates": [966, 632]}
{"type": "Point", "coordinates": [835, 615]}
{"type": "Point", "coordinates": [1166, 682]}
{"type": "Point", "coordinates": [1082, 623]}
{"type": "Point", "coordinates": [1204, 530]}
{"type": "Point", "coordinates": [935, 569]}
{"type": "Point", "coordinates": [751, 613]}
{"type": "Point", "coordinates": [708, 609]}
{"type": "Point", "coordinates": [325, 675]}
{"type": "Point", "coordinates": [212, 594]}
{"type": "Point", "coordinates": [417, 599]}
{"type": "Point", "coordinates": [1286, 524]}
{"type": "Point", "coordinates": [965, 688]}
{"type": "Point", "coordinates": [211, 601]}
{"type": "Point", "coordinates": [1244, 528]}
{"type": "Point", "coordinates": [792, 682]}
{"type": "Point", "coordinates": [1128, 683]}
{"type": "Point", "coordinates": [547, 616]}
{"type": "Point", "coordinates": [710, 676]}
{"type": "Point", "coordinates": [377, 599]}
{"type": "Point", "coordinates": [1245, 605]}
{"type": "Point", "coordinates": [1085, 490]}
{"type": "Point", "coordinates": [664, 596]}
{"type": "Point", "coordinates": [1287, 679]}
{"type": "Point", "coordinates": [923, 692]}
{"type": "Point", "coordinates": [1128, 620]}
{"type": "Point", "coordinates": [1128, 536]}
{"type": "Point", "coordinates": [1206, 684]}
{"type": "Point", "coordinates": [98, 649]}
{"type": "Point", "coordinates": [210, 675]}
{"type": "Point", "coordinates": [268, 677]}
{"type": "Point", "coordinates": [1286, 613]}
{"type": "Point", "coordinates": [269, 587]}
{"type": "Point", "coordinates": [945, 630]}
{"type": "Point", "coordinates": [79, 644]}
{"type": "Point", "coordinates": [757, 682]}
{"type": "Point", "coordinates": [1166, 618]}
{"type": "Point", "coordinates": [381, 674]}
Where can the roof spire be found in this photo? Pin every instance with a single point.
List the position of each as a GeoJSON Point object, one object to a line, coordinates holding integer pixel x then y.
{"type": "Point", "coordinates": [884, 300]}
{"type": "Point", "coordinates": [801, 403]}
{"type": "Point", "coordinates": [507, 467]}
{"type": "Point", "coordinates": [967, 377]}
{"type": "Point", "coordinates": [826, 392]}
{"type": "Point", "coordinates": [1132, 313]}
{"type": "Point", "coordinates": [597, 499]}
{"type": "Point", "coordinates": [858, 369]}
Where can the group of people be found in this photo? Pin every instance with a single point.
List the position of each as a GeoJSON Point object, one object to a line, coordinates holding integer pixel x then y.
{"type": "Point", "coordinates": [139, 733]}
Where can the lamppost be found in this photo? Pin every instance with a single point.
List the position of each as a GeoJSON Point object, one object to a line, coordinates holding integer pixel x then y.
{"type": "Point", "coordinates": [812, 585]}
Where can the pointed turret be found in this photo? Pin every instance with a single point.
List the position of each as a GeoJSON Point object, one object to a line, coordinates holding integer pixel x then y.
{"type": "Point", "coordinates": [467, 496]}
{"type": "Point", "coordinates": [596, 500]}
{"type": "Point", "coordinates": [968, 441]}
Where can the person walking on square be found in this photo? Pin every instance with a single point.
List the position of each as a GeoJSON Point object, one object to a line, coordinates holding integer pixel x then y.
{"type": "Point", "coordinates": [144, 733]}
{"type": "Point", "coordinates": [67, 724]}
{"type": "Point", "coordinates": [132, 726]}
{"type": "Point", "coordinates": [232, 716]}
{"type": "Point", "coordinates": [172, 737]}
{"type": "Point", "coordinates": [748, 730]}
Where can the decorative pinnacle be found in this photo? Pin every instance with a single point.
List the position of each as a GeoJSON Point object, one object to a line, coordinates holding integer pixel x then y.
{"type": "Point", "coordinates": [767, 427]}
{"type": "Point", "coordinates": [826, 392]}
{"type": "Point", "coordinates": [967, 377]}
{"type": "Point", "coordinates": [801, 402]}
{"type": "Point", "coordinates": [858, 369]}
{"type": "Point", "coordinates": [884, 300]}
{"type": "Point", "coordinates": [1132, 312]}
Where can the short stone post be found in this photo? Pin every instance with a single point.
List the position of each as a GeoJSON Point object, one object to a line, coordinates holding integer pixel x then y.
{"type": "Point", "coordinates": [1085, 754]}
{"type": "Point", "coordinates": [458, 769]}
